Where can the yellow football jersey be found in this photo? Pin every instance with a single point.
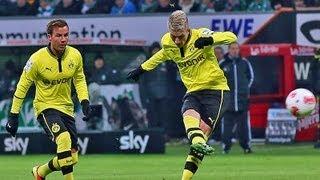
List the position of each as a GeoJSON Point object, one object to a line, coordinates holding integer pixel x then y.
{"type": "Point", "coordinates": [53, 78]}
{"type": "Point", "coordinates": [199, 68]}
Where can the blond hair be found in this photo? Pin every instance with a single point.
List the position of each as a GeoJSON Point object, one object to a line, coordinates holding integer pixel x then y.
{"type": "Point", "coordinates": [178, 21]}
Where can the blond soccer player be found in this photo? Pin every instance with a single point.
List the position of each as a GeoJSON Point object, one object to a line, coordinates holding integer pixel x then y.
{"type": "Point", "coordinates": [207, 90]}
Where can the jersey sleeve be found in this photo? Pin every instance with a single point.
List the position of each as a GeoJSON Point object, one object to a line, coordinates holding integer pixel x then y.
{"type": "Point", "coordinates": [79, 81]}
{"type": "Point", "coordinates": [219, 38]}
{"type": "Point", "coordinates": [226, 37]}
{"type": "Point", "coordinates": [27, 78]}
{"type": "Point", "coordinates": [153, 62]}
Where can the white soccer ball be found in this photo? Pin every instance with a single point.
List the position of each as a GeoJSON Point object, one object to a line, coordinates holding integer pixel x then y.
{"type": "Point", "coordinates": [301, 102]}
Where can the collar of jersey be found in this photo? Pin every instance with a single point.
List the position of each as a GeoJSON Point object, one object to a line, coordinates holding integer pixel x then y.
{"type": "Point", "coordinates": [51, 53]}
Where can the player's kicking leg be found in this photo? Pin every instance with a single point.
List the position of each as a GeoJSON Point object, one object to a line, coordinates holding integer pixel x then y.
{"type": "Point", "coordinates": [198, 139]}
{"type": "Point", "coordinates": [203, 148]}
{"type": "Point", "coordinates": [201, 112]}
{"type": "Point", "coordinates": [196, 135]}
{"type": "Point", "coordinates": [52, 123]}
{"type": "Point", "coordinates": [36, 174]}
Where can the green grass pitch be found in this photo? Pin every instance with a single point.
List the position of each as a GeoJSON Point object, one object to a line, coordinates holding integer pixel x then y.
{"type": "Point", "coordinates": [269, 162]}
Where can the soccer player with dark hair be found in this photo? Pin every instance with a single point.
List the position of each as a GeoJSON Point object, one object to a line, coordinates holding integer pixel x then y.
{"type": "Point", "coordinates": [53, 69]}
{"type": "Point", "coordinates": [206, 97]}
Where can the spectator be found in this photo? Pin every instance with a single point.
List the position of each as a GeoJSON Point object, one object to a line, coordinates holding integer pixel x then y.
{"type": "Point", "coordinates": [189, 6]}
{"type": "Point", "coordinates": [278, 4]}
{"type": "Point", "coordinates": [235, 5]}
{"type": "Point", "coordinates": [103, 74]}
{"type": "Point", "coordinates": [207, 6]}
{"type": "Point", "coordinates": [65, 7]}
{"type": "Point", "coordinates": [45, 9]}
{"type": "Point", "coordinates": [6, 8]}
{"type": "Point", "coordinates": [34, 4]}
{"type": "Point", "coordinates": [123, 7]}
{"type": "Point", "coordinates": [8, 80]}
{"type": "Point", "coordinates": [105, 5]}
{"type": "Point", "coordinates": [219, 52]}
{"type": "Point", "coordinates": [155, 94]}
{"type": "Point", "coordinates": [25, 9]}
{"type": "Point", "coordinates": [240, 77]}
{"type": "Point", "coordinates": [219, 5]}
{"type": "Point", "coordinates": [164, 6]}
{"type": "Point", "coordinates": [148, 6]}
{"type": "Point", "coordinates": [260, 5]}
{"type": "Point", "coordinates": [299, 4]}
{"type": "Point", "coordinates": [92, 7]}
{"type": "Point", "coordinates": [311, 3]}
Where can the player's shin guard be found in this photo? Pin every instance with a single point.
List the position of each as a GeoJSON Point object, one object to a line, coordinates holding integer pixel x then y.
{"type": "Point", "coordinates": [64, 155]}
{"type": "Point", "coordinates": [192, 163]}
{"type": "Point", "coordinates": [54, 165]}
{"type": "Point", "coordinates": [194, 133]}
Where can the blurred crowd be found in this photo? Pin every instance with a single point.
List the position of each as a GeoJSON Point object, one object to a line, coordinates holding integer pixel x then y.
{"type": "Point", "coordinates": [99, 72]}
{"type": "Point", "coordinates": [46, 8]}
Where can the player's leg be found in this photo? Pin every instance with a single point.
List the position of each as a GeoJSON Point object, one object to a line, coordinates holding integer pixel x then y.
{"type": "Point", "coordinates": [244, 131]}
{"type": "Point", "coordinates": [51, 121]}
{"type": "Point", "coordinates": [70, 124]}
{"type": "Point", "coordinates": [214, 105]}
{"type": "Point", "coordinates": [198, 143]}
{"type": "Point", "coordinates": [191, 120]}
{"type": "Point", "coordinates": [196, 136]}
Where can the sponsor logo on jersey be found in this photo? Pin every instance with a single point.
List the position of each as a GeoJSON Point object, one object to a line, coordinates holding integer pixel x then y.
{"type": "Point", "coordinates": [191, 62]}
{"type": "Point", "coordinates": [56, 81]}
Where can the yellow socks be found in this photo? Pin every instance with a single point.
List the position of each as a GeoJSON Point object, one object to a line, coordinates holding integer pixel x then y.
{"type": "Point", "coordinates": [64, 155]}
{"type": "Point", "coordinates": [193, 161]}
{"type": "Point", "coordinates": [194, 133]}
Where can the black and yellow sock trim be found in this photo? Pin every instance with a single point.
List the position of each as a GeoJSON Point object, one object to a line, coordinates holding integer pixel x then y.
{"type": "Point", "coordinates": [51, 166]}
{"type": "Point", "coordinates": [193, 161]}
{"type": "Point", "coordinates": [191, 167]}
{"type": "Point", "coordinates": [65, 162]}
{"type": "Point", "coordinates": [67, 169]}
{"type": "Point", "coordinates": [194, 132]}
{"type": "Point", "coordinates": [64, 154]}
{"type": "Point", "coordinates": [193, 129]}
{"type": "Point", "coordinates": [192, 135]}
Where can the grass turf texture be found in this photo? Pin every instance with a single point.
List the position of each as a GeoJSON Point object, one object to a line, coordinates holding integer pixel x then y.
{"type": "Point", "coordinates": [278, 162]}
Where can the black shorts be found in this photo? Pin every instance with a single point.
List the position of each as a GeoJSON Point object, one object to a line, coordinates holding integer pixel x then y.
{"type": "Point", "coordinates": [210, 104]}
{"type": "Point", "coordinates": [55, 122]}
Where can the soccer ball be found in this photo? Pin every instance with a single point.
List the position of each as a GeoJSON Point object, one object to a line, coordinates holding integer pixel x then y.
{"type": "Point", "coordinates": [301, 102]}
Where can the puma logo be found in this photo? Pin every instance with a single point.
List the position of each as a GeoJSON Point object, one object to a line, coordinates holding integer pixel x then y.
{"type": "Point", "coordinates": [49, 69]}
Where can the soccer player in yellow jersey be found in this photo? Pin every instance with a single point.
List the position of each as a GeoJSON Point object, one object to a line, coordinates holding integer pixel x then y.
{"type": "Point", "coordinates": [53, 69]}
{"type": "Point", "coordinates": [207, 89]}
